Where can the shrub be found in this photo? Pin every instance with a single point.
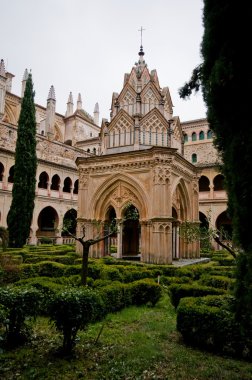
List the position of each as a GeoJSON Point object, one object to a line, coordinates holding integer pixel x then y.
{"type": "Point", "coordinates": [209, 323]}
{"type": "Point", "coordinates": [47, 288]}
{"type": "Point", "coordinates": [71, 310]}
{"type": "Point", "coordinates": [216, 281]}
{"type": "Point", "coordinates": [21, 303]}
{"type": "Point", "coordinates": [178, 291]}
{"type": "Point", "coordinates": [51, 269]}
{"type": "Point", "coordinates": [110, 273]}
{"type": "Point", "coordinates": [116, 296]}
{"type": "Point", "coordinates": [145, 291]}
{"type": "Point", "coordinates": [165, 280]}
{"type": "Point", "coordinates": [71, 270]}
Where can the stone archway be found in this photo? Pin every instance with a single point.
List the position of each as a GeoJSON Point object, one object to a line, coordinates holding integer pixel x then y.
{"type": "Point", "coordinates": [48, 221]}
{"type": "Point", "coordinates": [175, 234]}
{"type": "Point", "coordinates": [131, 232]}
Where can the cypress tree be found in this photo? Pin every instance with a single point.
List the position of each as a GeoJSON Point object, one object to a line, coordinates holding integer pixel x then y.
{"type": "Point", "coordinates": [23, 192]}
{"type": "Point", "coordinates": [226, 82]}
{"type": "Point", "coordinates": [225, 77]}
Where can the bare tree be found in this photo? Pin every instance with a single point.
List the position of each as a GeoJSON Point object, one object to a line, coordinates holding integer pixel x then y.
{"type": "Point", "coordinates": [86, 244]}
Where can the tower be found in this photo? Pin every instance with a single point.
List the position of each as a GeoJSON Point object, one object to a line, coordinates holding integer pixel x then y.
{"type": "Point", "coordinates": [3, 79]}
{"type": "Point", "coordinates": [96, 114]}
{"type": "Point", "coordinates": [50, 114]}
{"type": "Point", "coordinates": [69, 111]}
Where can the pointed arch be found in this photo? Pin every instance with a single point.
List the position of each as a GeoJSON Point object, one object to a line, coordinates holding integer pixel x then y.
{"type": "Point", "coordinates": [117, 191]}
{"type": "Point", "coordinates": [181, 200]}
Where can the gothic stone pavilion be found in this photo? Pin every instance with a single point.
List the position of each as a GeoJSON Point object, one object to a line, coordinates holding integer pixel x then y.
{"type": "Point", "coordinates": [141, 167]}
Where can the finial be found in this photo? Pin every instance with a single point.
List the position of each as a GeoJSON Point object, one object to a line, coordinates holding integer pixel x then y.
{"type": "Point", "coordinates": [2, 68]}
{"type": "Point", "coordinates": [96, 109]}
{"type": "Point", "coordinates": [25, 77]}
{"type": "Point", "coordinates": [70, 98]}
{"type": "Point", "coordinates": [51, 94]}
{"type": "Point", "coordinates": [79, 102]}
{"type": "Point", "coordinates": [141, 52]}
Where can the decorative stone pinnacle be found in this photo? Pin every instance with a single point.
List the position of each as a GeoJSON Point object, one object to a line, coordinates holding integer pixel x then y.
{"type": "Point", "coordinates": [96, 109]}
{"type": "Point", "coordinates": [2, 68]}
{"type": "Point", "coordinates": [70, 98]}
{"type": "Point", "coordinates": [51, 94]}
{"type": "Point", "coordinates": [25, 76]}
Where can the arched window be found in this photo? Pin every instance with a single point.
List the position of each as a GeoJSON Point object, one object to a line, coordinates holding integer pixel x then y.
{"type": "Point", "coordinates": [43, 180]}
{"type": "Point", "coordinates": [55, 182]}
{"type": "Point", "coordinates": [194, 158]}
{"type": "Point", "coordinates": [201, 135]}
{"type": "Point", "coordinates": [204, 183]}
{"type": "Point", "coordinates": [94, 150]}
{"type": "Point", "coordinates": [70, 222]}
{"type": "Point", "coordinates": [218, 182]}
{"type": "Point", "coordinates": [194, 136]}
{"type": "Point", "coordinates": [224, 225]}
{"type": "Point", "coordinates": [209, 134]}
{"type": "Point", "coordinates": [185, 138]}
{"type": "Point", "coordinates": [88, 150]}
{"type": "Point", "coordinates": [11, 174]}
{"type": "Point", "coordinates": [48, 219]}
{"type": "Point", "coordinates": [76, 187]}
{"type": "Point", "coordinates": [67, 185]}
{"type": "Point", "coordinates": [1, 171]}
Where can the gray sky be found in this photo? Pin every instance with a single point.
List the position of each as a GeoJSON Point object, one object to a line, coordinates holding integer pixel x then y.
{"type": "Point", "coordinates": [86, 46]}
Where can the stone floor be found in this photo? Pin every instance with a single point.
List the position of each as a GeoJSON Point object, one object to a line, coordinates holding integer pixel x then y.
{"type": "Point", "coordinates": [184, 262]}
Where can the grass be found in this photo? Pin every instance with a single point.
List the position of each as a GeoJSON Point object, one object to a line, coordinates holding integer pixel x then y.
{"type": "Point", "coordinates": [138, 343]}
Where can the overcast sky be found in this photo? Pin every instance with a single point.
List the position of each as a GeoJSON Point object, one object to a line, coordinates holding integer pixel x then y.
{"type": "Point", "coordinates": [86, 46]}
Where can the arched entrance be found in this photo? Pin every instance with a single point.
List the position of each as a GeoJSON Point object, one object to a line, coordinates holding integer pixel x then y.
{"type": "Point", "coordinates": [110, 244]}
{"type": "Point", "coordinates": [131, 232]}
{"type": "Point", "coordinates": [224, 226]}
{"type": "Point", "coordinates": [70, 222]}
{"type": "Point", "coordinates": [175, 235]}
{"type": "Point", "coordinates": [48, 222]}
{"type": "Point", "coordinates": [205, 242]}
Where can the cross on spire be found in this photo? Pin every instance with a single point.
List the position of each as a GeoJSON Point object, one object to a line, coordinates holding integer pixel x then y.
{"type": "Point", "coordinates": [141, 30]}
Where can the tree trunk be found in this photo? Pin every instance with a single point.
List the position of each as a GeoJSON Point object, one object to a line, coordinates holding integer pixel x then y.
{"type": "Point", "coordinates": [84, 268]}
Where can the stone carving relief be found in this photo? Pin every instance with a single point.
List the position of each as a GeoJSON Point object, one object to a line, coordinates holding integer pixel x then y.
{"type": "Point", "coordinates": [121, 194]}
{"type": "Point", "coordinates": [162, 175]}
{"type": "Point", "coordinates": [47, 150]}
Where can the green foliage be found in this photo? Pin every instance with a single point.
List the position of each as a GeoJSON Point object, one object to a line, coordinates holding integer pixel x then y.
{"type": "Point", "coordinates": [216, 281]}
{"type": "Point", "coordinates": [23, 192]}
{"type": "Point", "coordinates": [21, 303]}
{"type": "Point", "coordinates": [178, 291]}
{"type": "Point", "coordinates": [71, 310]}
{"type": "Point", "coordinates": [116, 296]}
{"type": "Point", "coordinates": [4, 236]}
{"type": "Point", "coordinates": [209, 323]}
{"type": "Point", "coordinates": [145, 291]}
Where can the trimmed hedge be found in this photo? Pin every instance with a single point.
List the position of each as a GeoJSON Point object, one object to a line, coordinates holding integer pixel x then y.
{"type": "Point", "coordinates": [217, 281]}
{"type": "Point", "coordinates": [71, 310]}
{"type": "Point", "coordinates": [145, 291]}
{"type": "Point", "coordinates": [20, 303]}
{"type": "Point", "coordinates": [209, 323]}
{"type": "Point", "coordinates": [178, 291]}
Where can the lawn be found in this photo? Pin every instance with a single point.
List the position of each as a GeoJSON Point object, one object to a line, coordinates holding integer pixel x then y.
{"type": "Point", "coordinates": [136, 343]}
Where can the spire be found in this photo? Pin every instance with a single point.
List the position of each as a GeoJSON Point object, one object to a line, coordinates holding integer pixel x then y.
{"type": "Point", "coordinates": [2, 68]}
{"type": "Point", "coordinates": [141, 52]}
{"type": "Point", "coordinates": [69, 105]}
{"type": "Point", "coordinates": [25, 77]}
{"type": "Point", "coordinates": [51, 94]}
{"type": "Point", "coordinates": [96, 109]}
{"type": "Point", "coordinates": [79, 102]}
{"type": "Point", "coordinates": [96, 114]}
{"type": "Point", "coordinates": [70, 98]}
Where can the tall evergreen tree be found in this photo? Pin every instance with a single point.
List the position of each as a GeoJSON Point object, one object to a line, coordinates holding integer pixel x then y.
{"type": "Point", "coordinates": [225, 77]}
{"type": "Point", "coordinates": [23, 192]}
